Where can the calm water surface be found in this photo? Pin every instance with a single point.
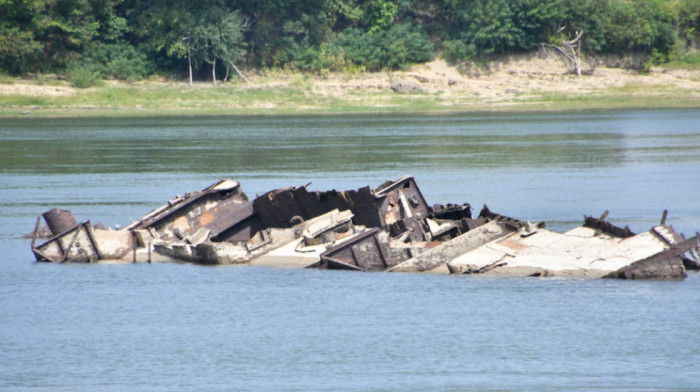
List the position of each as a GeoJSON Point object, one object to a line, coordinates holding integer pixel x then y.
{"type": "Point", "coordinates": [171, 327]}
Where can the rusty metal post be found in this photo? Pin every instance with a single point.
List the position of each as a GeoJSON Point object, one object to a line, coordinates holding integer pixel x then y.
{"type": "Point", "coordinates": [59, 221]}
{"type": "Point", "coordinates": [602, 217]}
{"type": "Point", "coordinates": [133, 242]}
{"type": "Point", "coordinates": [36, 231]}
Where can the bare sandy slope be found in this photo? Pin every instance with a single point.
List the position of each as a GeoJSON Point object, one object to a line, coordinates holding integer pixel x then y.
{"type": "Point", "coordinates": [34, 90]}
{"type": "Point", "coordinates": [519, 76]}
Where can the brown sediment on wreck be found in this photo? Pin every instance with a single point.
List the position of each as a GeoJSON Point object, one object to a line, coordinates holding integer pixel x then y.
{"type": "Point", "coordinates": [388, 228]}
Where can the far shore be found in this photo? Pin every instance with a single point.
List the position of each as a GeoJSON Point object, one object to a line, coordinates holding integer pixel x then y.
{"type": "Point", "coordinates": [518, 83]}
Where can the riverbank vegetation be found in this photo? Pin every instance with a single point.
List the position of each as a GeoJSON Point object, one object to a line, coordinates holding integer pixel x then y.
{"type": "Point", "coordinates": [88, 40]}
{"type": "Point", "coordinates": [127, 57]}
{"type": "Point", "coordinates": [526, 82]}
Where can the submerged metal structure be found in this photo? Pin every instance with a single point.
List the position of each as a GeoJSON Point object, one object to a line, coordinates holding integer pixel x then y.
{"type": "Point", "coordinates": [389, 228]}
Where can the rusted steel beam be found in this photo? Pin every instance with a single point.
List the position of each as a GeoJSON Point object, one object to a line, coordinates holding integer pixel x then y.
{"type": "Point", "coordinates": [663, 265]}
{"type": "Point", "coordinates": [606, 227]}
{"type": "Point", "coordinates": [660, 266]}
{"type": "Point", "coordinates": [688, 251]}
{"type": "Point", "coordinates": [663, 218]}
{"type": "Point", "coordinates": [512, 223]}
{"type": "Point", "coordinates": [691, 258]}
{"type": "Point", "coordinates": [36, 231]}
{"type": "Point", "coordinates": [95, 245]}
{"type": "Point", "coordinates": [71, 243]}
{"type": "Point", "coordinates": [667, 234]}
{"type": "Point", "coordinates": [451, 211]}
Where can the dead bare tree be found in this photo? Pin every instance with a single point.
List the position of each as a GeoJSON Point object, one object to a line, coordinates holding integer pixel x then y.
{"type": "Point", "coordinates": [570, 50]}
{"type": "Point", "coordinates": [238, 72]}
{"type": "Point", "coordinates": [247, 25]}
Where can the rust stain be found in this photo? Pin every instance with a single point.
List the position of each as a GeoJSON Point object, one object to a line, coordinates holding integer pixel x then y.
{"type": "Point", "coordinates": [206, 218]}
{"type": "Point", "coordinates": [393, 212]}
{"type": "Point", "coordinates": [515, 245]}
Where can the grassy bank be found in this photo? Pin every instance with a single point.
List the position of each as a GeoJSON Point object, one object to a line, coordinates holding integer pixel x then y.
{"type": "Point", "coordinates": [507, 89]}
{"type": "Point", "coordinates": [183, 100]}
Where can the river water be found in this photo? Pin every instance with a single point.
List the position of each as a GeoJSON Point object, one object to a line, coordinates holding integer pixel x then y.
{"type": "Point", "coordinates": [173, 327]}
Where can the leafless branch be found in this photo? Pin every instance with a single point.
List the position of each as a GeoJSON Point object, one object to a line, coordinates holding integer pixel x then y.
{"type": "Point", "coordinates": [569, 50]}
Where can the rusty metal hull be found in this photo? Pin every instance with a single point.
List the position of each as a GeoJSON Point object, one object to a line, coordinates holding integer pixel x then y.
{"type": "Point", "coordinates": [216, 208]}
{"type": "Point", "coordinates": [394, 201]}
{"type": "Point", "coordinates": [326, 229]}
{"type": "Point", "coordinates": [225, 253]}
{"type": "Point", "coordinates": [581, 252]}
{"type": "Point", "coordinates": [363, 252]}
{"type": "Point", "coordinates": [667, 264]}
{"type": "Point", "coordinates": [76, 245]}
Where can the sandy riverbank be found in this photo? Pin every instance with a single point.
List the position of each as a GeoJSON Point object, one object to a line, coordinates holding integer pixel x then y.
{"type": "Point", "coordinates": [525, 82]}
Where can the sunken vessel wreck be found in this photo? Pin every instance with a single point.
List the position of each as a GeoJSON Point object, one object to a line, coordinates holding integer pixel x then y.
{"type": "Point", "coordinates": [388, 228]}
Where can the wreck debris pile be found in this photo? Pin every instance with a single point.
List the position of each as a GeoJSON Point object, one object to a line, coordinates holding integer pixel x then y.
{"type": "Point", "coordinates": [389, 228]}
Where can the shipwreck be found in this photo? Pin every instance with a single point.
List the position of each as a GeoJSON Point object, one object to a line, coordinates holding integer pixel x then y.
{"type": "Point", "coordinates": [388, 228]}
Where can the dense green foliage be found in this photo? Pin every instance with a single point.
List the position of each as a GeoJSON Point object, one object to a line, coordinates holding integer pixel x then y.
{"type": "Point", "coordinates": [394, 48]}
{"type": "Point", "coordinates": [129, 39]}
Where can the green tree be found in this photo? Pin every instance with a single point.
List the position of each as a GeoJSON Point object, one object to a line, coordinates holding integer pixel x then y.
{"type": "Point", "coordinates": [43, 35]}
{"type": "Point", "coordinates": [161, 25]}
{"type": "Point", "coordinates": [129, 39]}
{"type": "Point", "coordinates": [688, 21]}
{"type": "Point", "coordinates": [480, 27]}
{"type": "Point", "coordinates": [622, 27]}
{"type": "Point", "coordinates": [381, 15]}
{"type": "Point", "coordinates": [281, 30]}
{"type": "Point", "coordinates": [537, 20]}
{"type": "Point", "coordinates": [19, 50]}
{"type": "Point", "coordinates": [395, 48]}
{"type": "Point", "coordinates": [112, 55]}
{"type": "Point", "coordinates": [217, 35]}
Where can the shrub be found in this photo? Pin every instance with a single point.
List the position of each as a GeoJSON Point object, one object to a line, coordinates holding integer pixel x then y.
{"type": "Point", "coordinates": [5, 78]}
{"type": "Point", "coordinates": [456, 50]}
{"type": "Point", "coordinates": [82, 76]}
{"type": "Point", "coordinates": [323, 59]}
{"type": "Point", "coordinates": [119, 61]}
